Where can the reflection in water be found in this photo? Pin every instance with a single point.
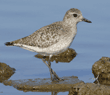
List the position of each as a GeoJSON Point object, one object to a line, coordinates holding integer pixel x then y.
{"type": "Point", "coordinates": [71, 84]}
{"type": "Point", "coordinates": [44, 85]}
{"type": "Point", "coordinates": [66, 56]}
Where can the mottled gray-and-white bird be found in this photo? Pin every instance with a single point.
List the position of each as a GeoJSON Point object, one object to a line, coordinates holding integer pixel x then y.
{"type": "Point", "coordinates": [52, 39]}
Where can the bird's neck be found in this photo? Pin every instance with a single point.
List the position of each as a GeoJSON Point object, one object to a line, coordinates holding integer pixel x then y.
{"type": "Point", "coordinates": [71, 26]}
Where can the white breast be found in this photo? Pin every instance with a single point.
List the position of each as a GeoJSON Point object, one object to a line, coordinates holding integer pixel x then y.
{"type": "Point", "coordinates": [57, 48]}
{"type": "Point", "coordinates": [54, 49]}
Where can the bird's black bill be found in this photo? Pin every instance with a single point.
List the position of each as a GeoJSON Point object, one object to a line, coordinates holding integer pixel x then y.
{"type": "Point", "coordinates": [86, 20]}
{"type": "Point", "coordinates": [8, 44]}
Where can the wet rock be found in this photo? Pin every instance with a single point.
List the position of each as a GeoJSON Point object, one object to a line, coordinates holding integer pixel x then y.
{"type": "Point", "coordinates": [5, 72]}
{"type": "Point", "coordinates": [44, 85]}
{"type": "Point", "coordinates": [101, 68]}
{"type": "Point", "coordinates": [89, 89]}
{"type": "Point", "coordinates": [66, 56]}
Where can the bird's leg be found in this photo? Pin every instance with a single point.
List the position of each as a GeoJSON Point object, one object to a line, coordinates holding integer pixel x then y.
{"type": "Point", "coordinates": [55, 76]}
{"type": "Point", "coordinates": [49, 65]}
{"type": "Point", "coordinates": [51, 71]}
{"type": "Point", "coordinates": [54, 93]}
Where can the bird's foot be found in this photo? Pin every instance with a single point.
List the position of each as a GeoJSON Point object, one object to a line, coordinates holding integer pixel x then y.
{"type": "Point", "coordinates": [56, 79]}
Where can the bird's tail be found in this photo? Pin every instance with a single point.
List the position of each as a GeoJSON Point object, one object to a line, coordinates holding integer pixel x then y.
{"type": "Point", "coordinates": [9, 43]}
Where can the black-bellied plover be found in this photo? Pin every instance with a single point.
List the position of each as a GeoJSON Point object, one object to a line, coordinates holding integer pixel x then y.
{"type": "Point", "coordinates": [52, 39]}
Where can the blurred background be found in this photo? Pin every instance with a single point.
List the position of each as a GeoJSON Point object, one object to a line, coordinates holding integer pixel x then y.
{"type": "Point", "coordinates": [20, 18]}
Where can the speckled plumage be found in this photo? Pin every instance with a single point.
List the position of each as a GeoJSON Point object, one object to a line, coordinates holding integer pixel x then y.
{"type": "Point", "coordinates": [54, 38]}
{"type": "Point", "coordinates": [45, 36]}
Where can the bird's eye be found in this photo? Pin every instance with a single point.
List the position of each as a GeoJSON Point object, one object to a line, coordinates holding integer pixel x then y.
{"type": "Point", "coordinates": [75, 15]}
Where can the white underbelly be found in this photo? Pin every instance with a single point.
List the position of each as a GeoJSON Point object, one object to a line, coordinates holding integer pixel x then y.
{"type": "Point", "coordinates": [57, 48]}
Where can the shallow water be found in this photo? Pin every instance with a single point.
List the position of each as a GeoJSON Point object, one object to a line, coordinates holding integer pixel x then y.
{"type": "Point", "coordinates": [21, 18]}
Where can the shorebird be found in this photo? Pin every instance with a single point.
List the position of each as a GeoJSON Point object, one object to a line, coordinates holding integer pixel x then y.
{"type": "Point", "coordinates": [52, 39]}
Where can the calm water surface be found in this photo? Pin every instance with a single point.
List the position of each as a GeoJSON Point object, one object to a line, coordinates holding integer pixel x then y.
{"type": "Point", "coordinates": [21, 18]}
